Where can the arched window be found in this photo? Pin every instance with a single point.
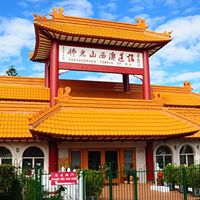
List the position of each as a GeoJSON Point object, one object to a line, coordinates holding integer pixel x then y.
{"type": "Point", "coordinates": [33, 156]}
{"type": "Point", "coordinates": [186, 155]}
{"type": "Point", "coordinates": [163, 156]}
{"type": "Point", "coordinates": [5, 156]}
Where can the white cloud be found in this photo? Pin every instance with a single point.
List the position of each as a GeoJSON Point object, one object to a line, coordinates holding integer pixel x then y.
{"type": "Point", "coordinates": [158, 77]}
{"type": "Point", "coordinates": [108, 10]}
{"type": "Point", "coordinates": [82, 8]}
{"type": "Point", "coordinates": [38, 67]}
{"type": "Point", "coordinates": [194, 76]}
{"type": "Point", "coordinates": [107, 15]}
{"type": "Point", "coordinates": [13, 38]}
{"type": "Point", "coordinates": [108, 77]}
{"type": "Point", "coordinates": [184, 47]}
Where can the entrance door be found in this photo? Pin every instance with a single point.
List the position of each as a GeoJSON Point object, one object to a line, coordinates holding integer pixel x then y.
{"type": "Point", "coordinates": [94, 159]}
{"type": "Point", "coordinates": [111, 157]}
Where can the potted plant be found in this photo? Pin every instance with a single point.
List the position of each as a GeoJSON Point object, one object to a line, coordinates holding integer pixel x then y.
{"type": "Point", "coordinates": [94, 183]}
{"type": "Point", "coordinates": [170, 173]}
{"type": "Point", "coordinates": [125, 179]}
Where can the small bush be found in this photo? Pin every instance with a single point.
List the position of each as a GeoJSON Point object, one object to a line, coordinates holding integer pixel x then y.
{"type": "Point", "coordinates": [7, 175]}
{"type": "Point", "coordinates": [94, 182]}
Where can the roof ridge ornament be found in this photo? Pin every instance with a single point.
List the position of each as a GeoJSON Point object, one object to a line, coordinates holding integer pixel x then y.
{"type": "Point", "coordinates": [63, 94]}
{"type": "Point", "coordinates": [141, 23]}
{"type": "Point", "coordinates": [168, 33]}
{"type": "Point", "coordinates": [38, 17]}
{"type": "Point", "coordinates": [57, 13]}
{"type": "Point", "coordinates": [158, 99]}
{"type": "Point", "coordinates": [188, 85]}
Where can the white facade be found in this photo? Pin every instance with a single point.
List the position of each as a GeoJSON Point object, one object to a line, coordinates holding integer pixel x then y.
{"type": "Point", "coordinates": [176, 145]}
{"type": "Point", "coordinates": [17, 149]}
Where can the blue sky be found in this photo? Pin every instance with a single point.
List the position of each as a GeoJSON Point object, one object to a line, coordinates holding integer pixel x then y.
{"type": "Point", "coordinates": [172, 65]}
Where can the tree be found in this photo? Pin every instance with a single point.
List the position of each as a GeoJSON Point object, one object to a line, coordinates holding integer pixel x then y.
{"type": "Point", "coordinates": [11, 71]}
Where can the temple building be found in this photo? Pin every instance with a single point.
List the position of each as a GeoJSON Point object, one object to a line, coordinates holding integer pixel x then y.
{"type": "Point", "coordinates": [85, 124]}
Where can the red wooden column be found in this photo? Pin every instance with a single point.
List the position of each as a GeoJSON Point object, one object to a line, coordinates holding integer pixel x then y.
{"type": "Point", "coordinates": [47, 74]}
{"type": "Point", "coordinates": [126, 82]}
{"type": "Point", "coordinates": [149, 161]}
{"type": "Point", "coordinates": [53, 156]}
{"type": "Point", "coordinates": [146, 77]}
{"type": "Point", "coordinates": [53, 72]}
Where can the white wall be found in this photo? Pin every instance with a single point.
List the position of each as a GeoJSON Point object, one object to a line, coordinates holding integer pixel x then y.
{"type": "Point", "coordinates": [175, 146]}
{"type": "Point", "coordinates": [17, 149]}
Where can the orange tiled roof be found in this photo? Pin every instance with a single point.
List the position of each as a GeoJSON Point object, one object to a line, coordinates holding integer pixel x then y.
{"type": "Point", "coordinates": [22, 106]}
{"type": "Point", "coordinates": [73, 29]}
{"type": "Point", "coordinates": [23, 92]}
{"type": "Point", "coordinates": [177, 96]}
{"type": "Point", "coordinates": [98, 117]}
{"type": "Point", "coordinates": [20, 88]}
{"type": "Point", "coordinates": [21, 80]}
{"type": "Point", "coordinates": [180, 99]}
{"type": "Point", "coordinates": [14, 126]}
{"type": "Point", "coordinates": [191, 113]}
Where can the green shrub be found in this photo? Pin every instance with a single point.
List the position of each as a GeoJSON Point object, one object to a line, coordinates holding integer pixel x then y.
{"type": "Point", "coordinates": [170, 173]}
{"type": "Point", "coordinates": [7, 175]}
{"type": "Point", "coordinates": [30, 191]}
{"type": "Point", "coordinates": [15, 192]}
{"type": "Point", "coordinates": [194, 176]}
{"type": "Point", "coordinates": [179, 174]}
{"type": "Point", "coordinates": [94, 182]}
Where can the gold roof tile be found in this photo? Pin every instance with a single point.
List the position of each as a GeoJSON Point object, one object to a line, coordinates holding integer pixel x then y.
{"type": "Point", "coordinates": [92, 28]}
{"type": "Point", "coordinates": [98, 122]}
{"type": "Point", "coordinates": [15, 126]}
{"type": "Point", "coordinates": [24, 92]}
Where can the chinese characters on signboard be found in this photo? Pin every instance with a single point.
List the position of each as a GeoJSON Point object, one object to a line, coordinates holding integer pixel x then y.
{"type": "Point", "coordinates": [92, 56]}
{"type": "Point", "coordinates": [63, 178]}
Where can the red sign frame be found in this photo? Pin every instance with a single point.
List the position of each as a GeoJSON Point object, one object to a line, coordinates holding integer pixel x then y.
{"type": "Point", "coordinates": [102, 68]}
{"type": "Point", "coordinates": [63, 178]}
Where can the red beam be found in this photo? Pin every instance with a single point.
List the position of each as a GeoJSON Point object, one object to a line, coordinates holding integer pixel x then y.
{"type": "Point", "coordinates": [149, 161]}
{"type": "Point", "coordinates": [146, 77]}
{"type": "Point", "coordinates": [100, 68]}
{"type": "Point", "coordinates": [46, 75]}
{"type": "Point", "coordinates": [53, 72]}
{"type": "Point", "coordinates": [53, 156]}
{"type": "Point", "coordinates": [126, 82]}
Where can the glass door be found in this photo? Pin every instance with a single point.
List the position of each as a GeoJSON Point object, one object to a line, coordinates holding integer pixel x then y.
{"type": "Point", "coordinates": [111, 157]}
{"type": "Point", "coordinates": [94, 160]}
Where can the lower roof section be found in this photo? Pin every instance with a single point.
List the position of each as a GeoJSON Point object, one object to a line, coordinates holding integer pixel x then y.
{"type": "Point", "coordinates": [128, 120]}
{"type": "Point", "coordinates": [14, 126]}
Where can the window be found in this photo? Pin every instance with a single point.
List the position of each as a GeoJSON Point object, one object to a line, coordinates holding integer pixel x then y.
{"type": "Point", "coordinates": [33, 156]}
{"type": "Point", "coordinates": [163, 156]}
{"type": "Point", "coordinates": [75, 159]}
{"type": "Point", "coordinates": [5, 156]}
{"type": "Point", "coordinates": [186, 155]}
{"type": "Point", "coordinates": [128, 160]}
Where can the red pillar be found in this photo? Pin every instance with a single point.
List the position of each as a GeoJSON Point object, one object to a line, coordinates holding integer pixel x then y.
{"type": "Point", "coordinates": [53, 156]}
{"type": "Point", "coordinates": [126, 82]}
{"type": "Point", "coordinates": [46, 74]}
{"type": "Point", "coordinates": [146, 77]}
{"type": "Point", "coordinates": [53, 72]}
{"type": "Point", "coordinates": [149, 161]}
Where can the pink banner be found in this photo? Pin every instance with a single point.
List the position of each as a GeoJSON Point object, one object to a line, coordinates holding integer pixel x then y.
{"type": "Point", "coordinates": [63, 178]}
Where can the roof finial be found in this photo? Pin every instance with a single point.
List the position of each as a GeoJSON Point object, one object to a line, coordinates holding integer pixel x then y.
{"type": "Point", "coordinates": [57, 13]}
{"type": "Point", "coordinates": [63, 94]}
{"type": "Point", "coordinates": [141, 23]}
{"type": "Point", "coordinates": [168, 33]}
{"type": "Point", "coordinates": [187, 85]}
